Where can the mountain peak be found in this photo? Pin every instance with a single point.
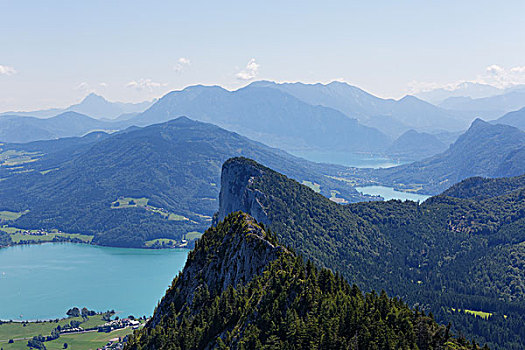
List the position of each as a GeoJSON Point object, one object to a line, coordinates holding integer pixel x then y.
{"type": "Point", "coordinates": [478, 122]}
{"type": "Point", "coordinates": [245, 248]}
{"type": "Point", "coordinates": [93, 97]}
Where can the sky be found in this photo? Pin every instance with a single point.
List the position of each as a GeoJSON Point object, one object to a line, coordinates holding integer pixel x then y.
{"type": "Point", "coordinates": [53, 53]}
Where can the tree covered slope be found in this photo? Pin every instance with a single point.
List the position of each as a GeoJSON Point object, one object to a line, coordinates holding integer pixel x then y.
{"type": "Point", "coordinates": [165, 179]}
{"type": "Point", "coordinates": [240, 289]}
{"type": "Point", "coordinates": [445, 254]}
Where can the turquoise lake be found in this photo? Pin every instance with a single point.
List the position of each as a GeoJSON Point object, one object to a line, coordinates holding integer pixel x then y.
{"type": "Point", "coordinates": [348, 159]}
{"type": "Point", "coordinates": [389, 193]}
{"type": "Point", "coordinates": [44, 281]}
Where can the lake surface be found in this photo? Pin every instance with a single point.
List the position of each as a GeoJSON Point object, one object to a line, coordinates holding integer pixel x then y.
{"type": "Point", "coordinates": [389, 193]}
{"type": "Point", "coordinates": [44, 281]}
{"type": "Point", "coordinates": [348, 159]}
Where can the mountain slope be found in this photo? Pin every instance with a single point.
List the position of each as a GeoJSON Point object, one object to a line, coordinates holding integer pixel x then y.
{"type": "Point", "coordinates": [172, 170]}
{"type": "Point", "coordinates": [19, 129]}
{"type": "Point", "coordinates": [516, 119]}
{"type": "Point", "coordinates": [241, 290]}
{"type": "Point", "coordinates": [444, 254]}
{"type": "Point", "coordinates": [484, 150]}
{"type": "Point", "coordinates": [269, 116]}
{"type": "Point", "coordinates": [44, 156]}
{"type": "Point", "coordinates": [481, 188]}
{"type": "Point", "coordinates": [465, 89]}
{"type": "Point", "coordinates": [415, 145]}
{"type": "Point", "coordinates": [390, 116]}
{"type": "Point", "coordinates": [496, 105]}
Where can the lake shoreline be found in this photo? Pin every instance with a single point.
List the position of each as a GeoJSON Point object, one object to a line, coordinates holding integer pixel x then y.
{"type": "Point", "coordinates": [40, 280]}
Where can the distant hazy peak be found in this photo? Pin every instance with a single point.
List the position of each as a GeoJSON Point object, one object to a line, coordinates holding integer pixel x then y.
{"type": "Point", "coordinates": [93, 97]}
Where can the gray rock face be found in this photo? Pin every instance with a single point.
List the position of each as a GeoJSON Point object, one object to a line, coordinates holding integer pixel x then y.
{"type": "Point", "coordinates": [227, 255]}
{"type": "Point", "coordinates": [236, 194]}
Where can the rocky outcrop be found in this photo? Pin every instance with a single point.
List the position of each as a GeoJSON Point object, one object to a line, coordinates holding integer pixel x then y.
{"type": "Point", "coordinates": [231, 253]}
{"type": "Point", "coordinates": [236, 193]}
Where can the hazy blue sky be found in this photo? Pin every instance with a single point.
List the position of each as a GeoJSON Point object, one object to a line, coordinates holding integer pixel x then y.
{"type": "Point", "coordinates": [52, 53]}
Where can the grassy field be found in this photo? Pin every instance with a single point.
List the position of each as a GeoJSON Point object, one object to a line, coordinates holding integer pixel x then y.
{"type": "Point", "coordinates": [176, 217]}
{"type": "Point", "coordinates": [481, 314]}
{"type": "Point", "coordinates": [160, 241]}
{"type": "Point", "coordinates": [193, 235]}
{"type": "Point", "coordinates": [48, 171]}
{"type": "Point", "coordinates": [14, 157]}
{"type": "Point", "coordinates": [11, 215]}
{"type": "Point", "coordinates": [334, 198]}
{"type": "Point", "coordinates": [130, 202]}
{"type": "Point", "coordinates": [17, 237]}
{"type": "Point", "coordinates": [83, 341]}
{"type": "Point", "coordinates": [86, 341]}
{"type": "Point", "coordinates": [14, 330]}
{"type": "Point", "coordinates": [314, 186]}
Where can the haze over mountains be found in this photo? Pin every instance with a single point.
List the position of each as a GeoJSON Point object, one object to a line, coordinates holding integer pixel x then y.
{"type": "Point", "coordinates": [18, 129]}
{"type": "Point", "coordinates": [269, 116]}
{"type": "Point", "coordinates": [464, 89]}
{"type": "Point", "coordinates": [390, 116]}
{"type": "Point", "coordinates": [290, 116]}
{"type": "Point", "coordinates": [488, 107]}
{"type": "Point", "coordinates": [92, 105]}
{"type": "Point", "coordinates": [484, 150]}
{"type": "Point", "coordinates": [516, 119]}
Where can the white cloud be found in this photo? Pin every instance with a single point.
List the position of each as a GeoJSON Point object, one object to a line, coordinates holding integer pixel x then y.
{"type": "Point", "coordinates": [143, 84]}
{"type": "Point", "coordinates": [82, 86]}
{"type": "Point", "coordinates": [502, 77]}
{"type": "Point", "coordinates": [103, 85]}
{"type": "Point", "coordinates": [494, 69]}
{"type": "Point", "coordinates": [181, 64]}
{"type": "Point", "coordinates": [494, 75]}
{"type": "Point", "coordinates": [7, 70]}
{"type": "Point", "coordinates": [519, 70]}
{"type": "Point", "coordinates": [249, 72]}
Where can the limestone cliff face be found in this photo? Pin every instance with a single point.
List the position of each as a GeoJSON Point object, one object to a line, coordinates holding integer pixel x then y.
{"type": "Point", "coordinates": [229, 254]}
{"type": "Point", "coordinates": [236, 194]}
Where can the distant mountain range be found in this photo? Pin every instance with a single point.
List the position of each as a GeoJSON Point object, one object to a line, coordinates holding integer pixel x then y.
{"type": "Point", "coordinates": [390, 116]}
{"type": "Point", "coordinates": [92, 105]}
{"type": "Point", "coordinates": [487, 107]}
{"type": "Point", "coordinates": [268, 115]}
{"type": "Point", "coordinates": [484, 150]}
{"type": "Point", "coordinates": [291, 116]}
{"type": "Point", "coordinates": [415, 145]}
{"type": "Point", "coordinates": [14, 128]}
{"type": "Point", "coordinates": [172, 170]}
{"type": "Point", "coordinates": [465, 89]}
{"type": "Point", "coordinates": [516, 119]}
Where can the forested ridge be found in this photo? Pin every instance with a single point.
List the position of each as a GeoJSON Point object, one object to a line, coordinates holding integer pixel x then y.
{"type": "Point", "coordinates": [277, 300]}
{"type": "Point", "coordinates": [443, 255]}
{"type": "Point", "coordinates": [71, 183]}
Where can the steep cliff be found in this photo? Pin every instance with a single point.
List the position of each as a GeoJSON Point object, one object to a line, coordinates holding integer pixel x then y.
{"type": "Point", "coordinates": [236, 195]}
{"type": "Point", "coordinates": [227, 255]}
